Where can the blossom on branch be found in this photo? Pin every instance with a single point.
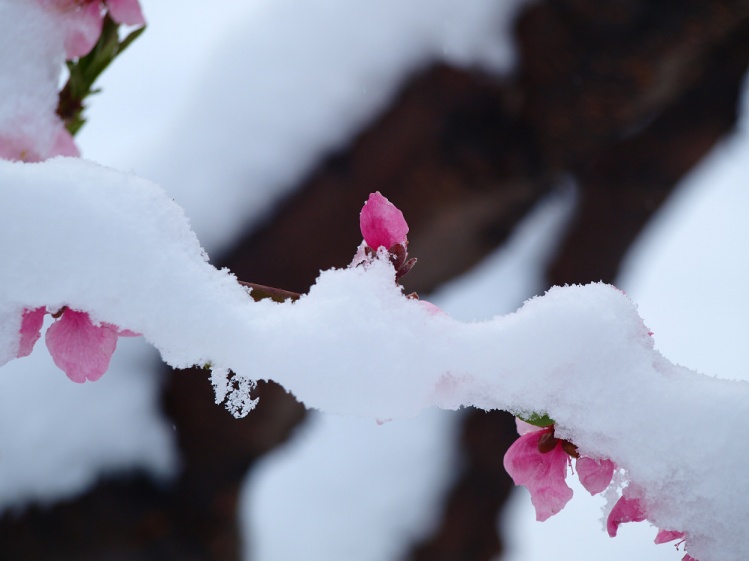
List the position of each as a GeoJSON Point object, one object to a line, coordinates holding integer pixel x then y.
{"type": "Point", "coordinates": [78, 347]}
{"type": "Point", "coordinates": [542, 470]}
{"type": "Point", "coordinates": [81, 348]}
{"type": "Point", "coordinates": [82, 20]}
{"type": "Point", "coordinates": [382, 223]}
{"type": "Point", "coordinates": [538, 460]}
{"type": "Point", "coordinates": [383, 226]}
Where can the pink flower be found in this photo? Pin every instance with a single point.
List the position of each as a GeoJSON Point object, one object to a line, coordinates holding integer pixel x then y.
{"type": "Point", "coordinates": [381, 223]}
{"type": "Point", "coordinates": [631, 509]}
{"type": "Point", "coordinates": [31, 330]}
{"type": "Point", "coordinates": [82, 20]}
{"type": "Point", "coordinates": [80, 348]}
{"type": "Point", "coordinates": [543, 473]}
{"type": "Point", "coordinates": [626, 509]}
{"type": "Point", "coordinates": [24, 148]}
{"type": "Point", "coordinates": [539, 461]}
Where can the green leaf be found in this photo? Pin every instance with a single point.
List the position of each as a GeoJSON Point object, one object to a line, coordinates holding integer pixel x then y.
{"type": "Point", "coordinates": [86, 70]}
{"type": "Point", "coordinates": [537, 419]}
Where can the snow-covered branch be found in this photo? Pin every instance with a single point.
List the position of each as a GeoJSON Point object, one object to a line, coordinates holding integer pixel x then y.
{"type": "Point", "coordinates": [75, 234]}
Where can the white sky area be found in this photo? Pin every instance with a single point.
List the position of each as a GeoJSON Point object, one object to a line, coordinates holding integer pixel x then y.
{"type": "Point", "coordinates": [177, 110]}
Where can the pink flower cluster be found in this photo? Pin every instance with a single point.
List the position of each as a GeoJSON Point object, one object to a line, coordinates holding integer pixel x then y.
{"type": "Point", "coordinates": [539, 461]}
{"type": "Point", "coordinates": [82, 20]}
{"type": "Point", "coordinates": [79, 347]}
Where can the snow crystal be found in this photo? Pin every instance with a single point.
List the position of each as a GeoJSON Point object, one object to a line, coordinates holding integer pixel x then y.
{"type": "Point", "coordinates": [236, 390]}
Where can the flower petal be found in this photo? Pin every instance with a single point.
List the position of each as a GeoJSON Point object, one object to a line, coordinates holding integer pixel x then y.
{"type": "Point", "coordinates": [381, 223]}
{"type": "Point", "coordinates": [80, 348]}
{"type": "Point", "coordinates": [126, 11]}
{"type": "Point", "coordinates": [626, 509]}
{"type": "Point", "coordinates": [595, 475]}
{"type": "Point", "coordinates": [665, 536]}
{"type": "Point", "coordinates": [64, 145]}
{"type": "Point", "coordinates": [82, 28]}
{"type": "Point", "coordinates": [31, 330]}
{"type": "Point", "coordinates": [542, 473]}
{"type": "Point", "coordinates": [524, 428]}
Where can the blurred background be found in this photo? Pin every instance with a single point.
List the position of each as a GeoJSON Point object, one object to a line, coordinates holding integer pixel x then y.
{"type": "Point", "coordinates": [527, 143]}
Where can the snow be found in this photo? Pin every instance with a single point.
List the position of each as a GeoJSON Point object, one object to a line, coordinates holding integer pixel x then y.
{"type": "Point", "coordinates": [28, 84]}
{"type": "Point", "coordinates": [404, 466]}
{"type": "Point", "coordinates": [362, 348]}
{"type": "Point", "coordinates": [134, 125]}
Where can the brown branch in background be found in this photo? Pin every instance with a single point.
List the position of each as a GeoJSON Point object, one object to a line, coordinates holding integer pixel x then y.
{"type": "Point", "coordinates": [262, 292]}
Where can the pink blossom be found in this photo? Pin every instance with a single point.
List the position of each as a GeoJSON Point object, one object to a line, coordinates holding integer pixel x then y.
{"type": "Point", "coordinates": [381, 223]}
{"type": "Point", "coordinates": [80, 348]}
{"type": "Point", "coordinates": [595, 475]}
{"type": "Point", "coordinates": [543, 473]}
{"type": "Point", "coordinates": [81, 20]}
{"type": "Point", "coordinates": [626, 509]}
{"type": "Point", "coordinates": [31, 330]}
{"type": "Point", "coordinates": [25, 148]}
{"type": "Point", "coordinates": [539, 461]}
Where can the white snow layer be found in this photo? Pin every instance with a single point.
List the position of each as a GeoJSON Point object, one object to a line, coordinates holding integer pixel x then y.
{"type": "Point", "coordinates": [31, 61]}
{"type": "Point", "coordinates": [74, 233]}
{"type": "Point", "coordinates": [383, 485]}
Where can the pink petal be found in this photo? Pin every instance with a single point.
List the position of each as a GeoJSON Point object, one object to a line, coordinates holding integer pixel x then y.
{"type": "Point", "coordinates": [524, 428]}
{"type": "Point", "coordinates": [595, 475]}
{"type": "Point", "coordinates": [432, 308]}
{"type": "Point", "coordinates": [665, 536]}
{"type": "Point", "coordinates": [82, 28]}
{"type": "Point", "coordinates": [626, 509]}
{"type": "Point", "coordinates": [126, 11]}
{"type": "Point", "coordinates": [688, 557]}
{"type": "Point", "coordinates": [21, 146]}
{"type": "Point", "coordinates": [542, 473]}
{"type": "Point", "coordinates": [64, 145]}
{"type": "Point", "coordinates": [31, 330]}
{"type": "Point", "coordinates": [125, 332]}
{"type": "Point", "coordinates": [80, 348]}
{"type": "Point", "coordinates": [381, 223]}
